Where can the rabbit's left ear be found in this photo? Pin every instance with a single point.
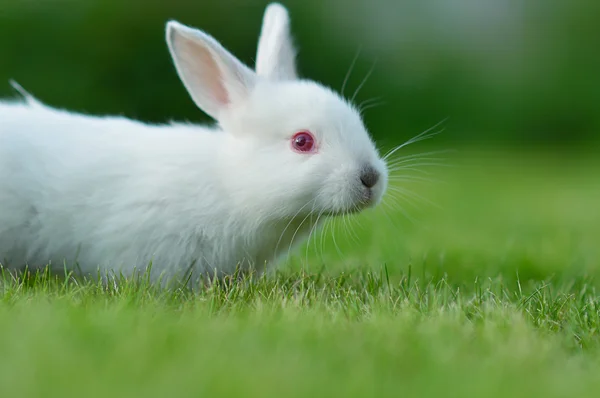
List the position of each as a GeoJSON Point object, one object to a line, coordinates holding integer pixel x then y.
{"type": "Point", "coordinates": [214, 78]}
{"type": "Point", "coordinates": [276, 55]}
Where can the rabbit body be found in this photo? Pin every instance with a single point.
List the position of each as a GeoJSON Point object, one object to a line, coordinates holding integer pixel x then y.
{"type": "Point", "coordinates": [111, 194]}
{"type": "Point", "coordinates": [117, 194]}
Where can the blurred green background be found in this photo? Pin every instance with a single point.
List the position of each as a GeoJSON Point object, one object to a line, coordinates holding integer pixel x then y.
{"type": "Point", "coordinates": [505, 72]}
{"type": "Point", "coordinates": [504, 243]}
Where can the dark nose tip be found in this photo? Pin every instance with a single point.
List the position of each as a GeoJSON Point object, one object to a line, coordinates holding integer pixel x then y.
{"type": "Point", "coordinates": [369, 176]}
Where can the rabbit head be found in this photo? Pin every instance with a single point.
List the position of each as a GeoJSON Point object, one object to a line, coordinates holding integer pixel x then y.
{"type": "Point", "coordinates": [294, 146]}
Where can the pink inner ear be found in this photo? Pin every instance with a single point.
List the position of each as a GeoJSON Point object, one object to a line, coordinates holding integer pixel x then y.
{"type": "Point", "coordinates": [204, 72]}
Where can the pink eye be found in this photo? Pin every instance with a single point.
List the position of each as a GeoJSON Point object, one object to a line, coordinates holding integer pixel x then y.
{"type": "Point", "coordinates": [303, 142]}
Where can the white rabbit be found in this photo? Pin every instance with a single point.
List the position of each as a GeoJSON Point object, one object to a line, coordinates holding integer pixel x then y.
{"type": "Point", "coordinates": [113, 195]}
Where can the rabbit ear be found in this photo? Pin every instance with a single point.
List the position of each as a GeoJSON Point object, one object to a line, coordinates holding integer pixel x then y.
{"type": "Point", "coordinates": [214, 78]}
{"type": "Point", "coordinates": [276, 55]}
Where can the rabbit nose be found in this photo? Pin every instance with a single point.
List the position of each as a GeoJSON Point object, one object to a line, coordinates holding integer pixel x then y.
{"type": "Point", "coordinates": [369, 176]}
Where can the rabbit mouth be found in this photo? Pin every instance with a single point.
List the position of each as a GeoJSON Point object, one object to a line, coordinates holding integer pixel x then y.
{"type": "Point", "coordinates": [366, 199]}
{"type": "Point", "coordinates": [349, 211]}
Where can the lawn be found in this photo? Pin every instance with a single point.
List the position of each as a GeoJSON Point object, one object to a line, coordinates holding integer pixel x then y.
{"type": "Point", "coordinates": [490, 290]}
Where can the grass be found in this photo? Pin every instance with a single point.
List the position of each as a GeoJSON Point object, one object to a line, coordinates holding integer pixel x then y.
{"type": "Point", "coordinates": [493, 293]}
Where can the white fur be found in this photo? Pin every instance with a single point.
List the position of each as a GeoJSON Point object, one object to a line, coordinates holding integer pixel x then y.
{"type": "Point", "coordinates": [276, 55]}
{"type": "Point", "coordinates": [113, 194]}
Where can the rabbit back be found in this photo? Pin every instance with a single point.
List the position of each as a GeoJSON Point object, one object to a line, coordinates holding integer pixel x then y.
{"type": "Point", "coordinates": [111, 193]}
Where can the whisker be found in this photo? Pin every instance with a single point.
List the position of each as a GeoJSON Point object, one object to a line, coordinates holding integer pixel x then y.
{"type": "Point", "coordinates": [405, 214]}
{"type": "Point", "coordinates": [410, 178]}
{"type": "Point", "coordinates": [310, 234]}
{"type": "Point", "coordinates": [420, 171]}
{"type": "Point", "coordinates": [413, 165]}
{"type": "Point", "coordinates": [419, 137]}
{"type": "Point", "coordinates": [296, 232]}
{"type": "Point", "coordinates": [360, 86]}
{"type": "Point", "coordinates": [407, 192]}
{"type": "Point", "coordinates": [337, 248]}
{"type": "Point", "coordinates": [367, 101]}
{"type": "Point", "coordinates": [384, 210]}
{"type": "Point", "coordinates": [355, 222]}
{"type": "Point", "coordinates": [419, 156]}
{"type": "Point", "coordinates": [288, 225]}
{"type": "Point", "coordinates": [349, 229]}
{"type": "Point", "coordinates": [410, 162]}
{"type": "Point", "coordinates": [362, 110]}
{"type": "Point", "coordinates": [429, 153]}
{"type": "Point", "coordinates": [350, 70]}
{"type": "Point", "coordinates": [406, 198]}
{"type": "Point", "coordinates": [322, 242]}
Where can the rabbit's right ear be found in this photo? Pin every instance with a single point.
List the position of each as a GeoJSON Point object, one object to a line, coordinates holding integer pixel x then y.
{"type": "Point", "coordinates": [276, 55]}
{"type": "Point", "coordinates": [214, 78]}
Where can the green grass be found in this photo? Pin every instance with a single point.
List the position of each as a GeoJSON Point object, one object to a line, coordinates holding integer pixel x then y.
{"type": "Point", "coordinates": [491, 294]}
